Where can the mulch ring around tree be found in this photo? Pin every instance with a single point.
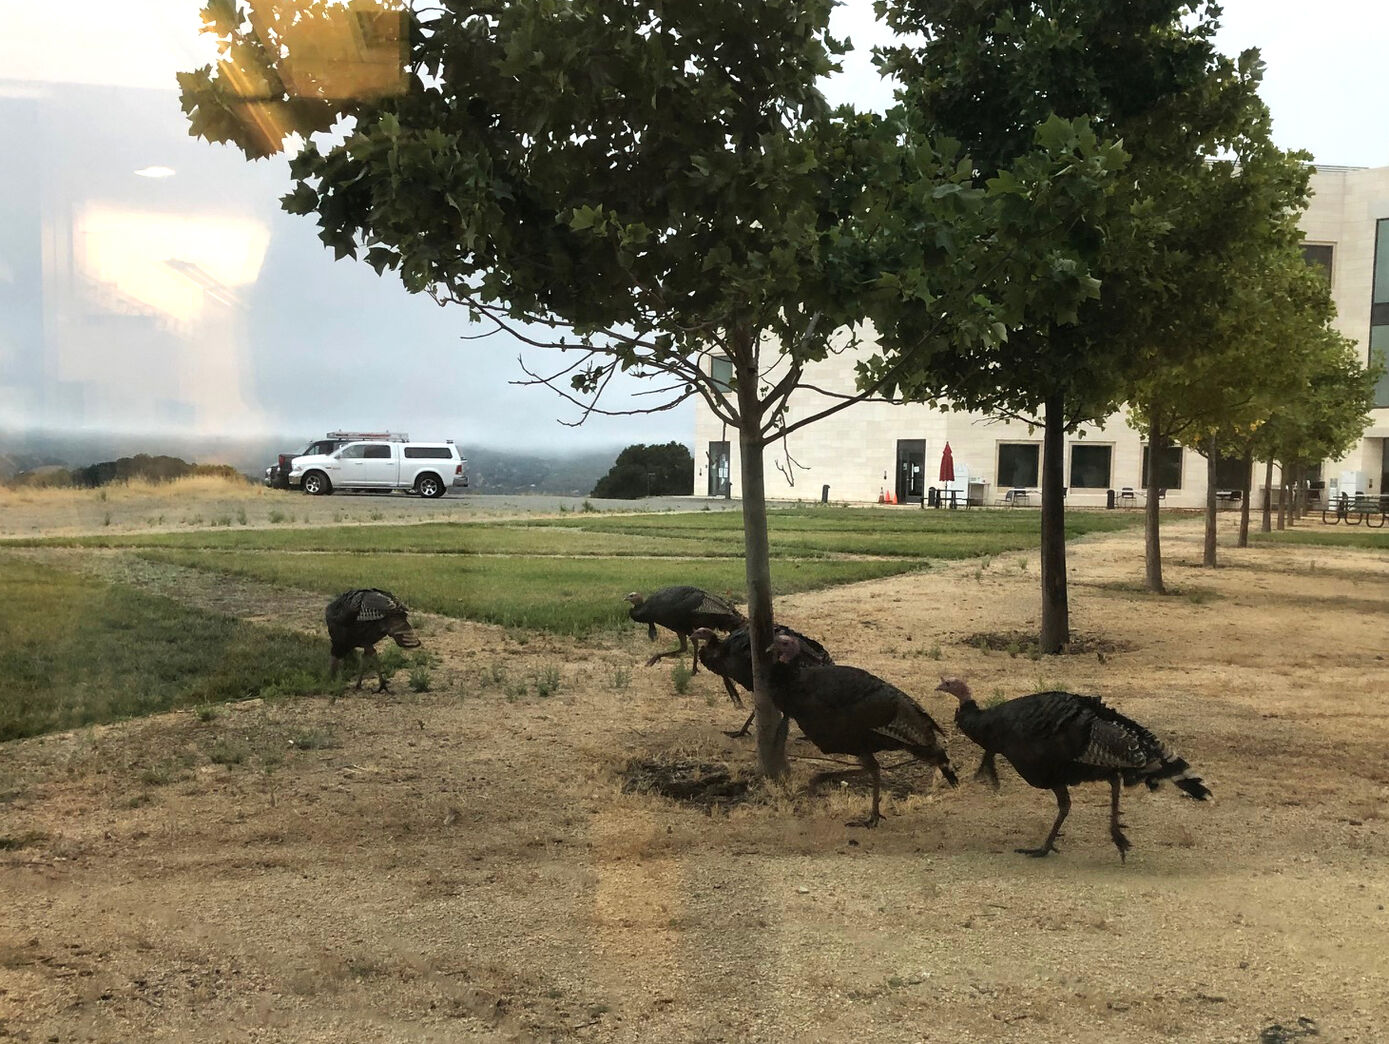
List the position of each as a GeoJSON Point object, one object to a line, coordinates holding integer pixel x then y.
{"type": "Point", "coordinates": [703, 784]}
{"type": "Point", "coordinates": [1025, 643]}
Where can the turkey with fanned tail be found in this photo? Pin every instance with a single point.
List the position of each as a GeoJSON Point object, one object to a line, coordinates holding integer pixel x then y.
{"type": "Point", "coordinates": [1058, 739]}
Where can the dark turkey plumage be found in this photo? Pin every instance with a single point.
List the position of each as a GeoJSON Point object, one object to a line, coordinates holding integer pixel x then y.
{"type": "Point", "coordinates": [1058, 739]}
{"type": "Point", "coordinates": [360, 618]}
{"type": "Point", "coordinates": [683, 610]}
{"type": "Point", "coordinates": [845, 710]}
{"type": "Point", "coordinates": [731, 659]}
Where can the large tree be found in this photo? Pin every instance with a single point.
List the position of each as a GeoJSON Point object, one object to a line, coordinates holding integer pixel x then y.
{"type": "Point", "coordinates": [649, 185]}
{"type": "Point", "coordinates": [1146, 74]}
{"type": "Point", "coordinates": [648, 471]}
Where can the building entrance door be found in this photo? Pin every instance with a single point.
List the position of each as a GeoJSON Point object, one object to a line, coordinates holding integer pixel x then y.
{"type": "Point", "coordinates": [911, 470]}
{"type": "Point", "coordinates": [719, 485]}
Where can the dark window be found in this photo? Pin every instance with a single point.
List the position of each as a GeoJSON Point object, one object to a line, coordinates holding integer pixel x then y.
{"type": "Point", "coordinates": [1169, 467]}
{"type": "Point", "coordinates": [432, 452]}
{"type": "Point", "coordinates": [1319, 255]}
{"type": "Point", "coordinates": [1379, 309]}
{"type": "Point", "coordinates": [378, 451]}
{"type": "Point", "coordinates": [1230, 473]}
{"type": "Point", "coordinates": [326, 446]}
{"type": "Point", "coordinates": [1381, 287]}
{"type": "Point", "coordinates": [1379, 350]}
{"type": "Point", "coordinates": [1017, 464]}
{"type": "Point", "coordinates": [1090, 467]}
{"type": "Point", "coordinates": [721, 369]}
{"type": "Point", "coordinates": [356, 451]}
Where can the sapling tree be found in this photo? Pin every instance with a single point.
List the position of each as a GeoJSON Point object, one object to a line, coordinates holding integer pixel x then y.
{"type": "Point", "coordinates": [1147, 76]}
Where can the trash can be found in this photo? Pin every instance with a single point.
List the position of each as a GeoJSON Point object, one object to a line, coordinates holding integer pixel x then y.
{"type": "Point", "coordinates": [933, 497]}
{"type": "Point", "coordinates": [1109, 499]}
{"type": "Point", "coordinates": [824, 494]}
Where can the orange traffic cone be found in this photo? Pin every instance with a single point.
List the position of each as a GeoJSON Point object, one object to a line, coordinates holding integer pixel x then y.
{"type": "Point", "coordinates": [881, 498]}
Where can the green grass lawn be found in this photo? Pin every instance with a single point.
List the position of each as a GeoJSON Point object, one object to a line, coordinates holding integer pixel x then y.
{"type": "Point", "coordinates": [1314, 532]}
{"type": "Point", "coordinates": [803, 532]}
{"type": "Point", "coordinates": [81, 650]}
{"type": "Point", "coordinates": [78, 650]}
{"type": "Point", "coordinates": [573, 596]}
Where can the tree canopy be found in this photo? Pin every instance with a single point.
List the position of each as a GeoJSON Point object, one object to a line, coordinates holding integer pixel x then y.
{"type": "Point", "coordinates": [642, 185]}
{"type": "Point", "coordinates": [649, 471]}
{"type": "Point", "coordinates": [1147, 77]}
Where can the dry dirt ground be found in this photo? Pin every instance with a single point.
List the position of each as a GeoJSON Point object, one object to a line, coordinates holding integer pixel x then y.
{"type": "Point", "coordinates": [464, 864]}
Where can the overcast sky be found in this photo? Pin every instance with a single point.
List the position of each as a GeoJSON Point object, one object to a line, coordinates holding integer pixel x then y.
{"type": "Point", "coordinates": [314, 344]}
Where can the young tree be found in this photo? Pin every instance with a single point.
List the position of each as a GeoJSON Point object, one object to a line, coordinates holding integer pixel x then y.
{"type": "Point", "coordinates": [1148, 76]}
{"type": "Point", "coordinates": [1233, 349]}
{"type": "Point", "coordinates": [648, 184]}
{"type": "Point", "coordinates": [1327, 412]}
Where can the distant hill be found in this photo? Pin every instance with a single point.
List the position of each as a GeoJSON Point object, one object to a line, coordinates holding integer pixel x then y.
{"type": "Point", "coordinates": [489, 470]}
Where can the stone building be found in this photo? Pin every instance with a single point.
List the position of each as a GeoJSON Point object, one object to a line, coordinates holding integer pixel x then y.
{"type": "Point", "coordinates": [871, 450]}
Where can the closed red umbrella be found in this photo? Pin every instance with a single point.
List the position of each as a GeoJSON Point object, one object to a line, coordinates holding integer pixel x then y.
{"type": "Point", "coordinates": [947, 465]}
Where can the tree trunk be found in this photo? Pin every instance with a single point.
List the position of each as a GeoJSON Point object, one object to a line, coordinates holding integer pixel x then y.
{"type": "Point", "coordinates": [1152, 542]}
{"type": "Point", "coordinates": [1056, 615]}
{"type": "Point", "coordinates": [1267, 525]}
{"type": "Point", "coordinates": [1212, 463]}
{"type": "Point", "coordinates": [1244, 499]}
{"type": "Point", "coordinates": [771, 741]}
{"type": "Point", "coordinates": [1282, 499]}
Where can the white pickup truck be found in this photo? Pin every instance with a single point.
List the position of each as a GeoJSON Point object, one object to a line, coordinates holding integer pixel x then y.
{"type": "Point", "coordinates": [426, 468]}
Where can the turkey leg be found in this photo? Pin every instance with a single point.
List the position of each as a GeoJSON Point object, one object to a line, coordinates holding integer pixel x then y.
{"type": "Point", "coordinates": [1063, 808]}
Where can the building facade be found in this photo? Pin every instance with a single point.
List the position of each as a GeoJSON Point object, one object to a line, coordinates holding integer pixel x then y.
{"type": "Point", "coordinates": [874, 450]}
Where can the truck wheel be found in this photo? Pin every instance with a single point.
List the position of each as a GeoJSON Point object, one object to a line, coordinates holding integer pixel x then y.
{"type": "Point", "coordinates": [429, 486]}
{"type": "Point", "coordinates": [316, 484]}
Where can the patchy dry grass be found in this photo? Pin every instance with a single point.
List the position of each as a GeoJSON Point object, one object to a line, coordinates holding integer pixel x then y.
{"type": "Point", "coordinates": [464, 864]}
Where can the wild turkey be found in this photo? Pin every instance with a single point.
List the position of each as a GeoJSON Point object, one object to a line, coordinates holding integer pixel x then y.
{"type": "Point", "coordinates": [844, 710]}
{"type": "Point", "coordinates": [360, 618]}
{"type": "Point", "coordinates": [1058, 739]}
{"type": "Point", "coordinates": [683, 610]}
{"type": "Point", "coordinates": [731, 659]}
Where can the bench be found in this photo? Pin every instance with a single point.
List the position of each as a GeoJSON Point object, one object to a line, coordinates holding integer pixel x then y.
{"type": "Point", "coordinates": [1228, 497]}
{"type": "Point", "coordinates": [1353, 510]}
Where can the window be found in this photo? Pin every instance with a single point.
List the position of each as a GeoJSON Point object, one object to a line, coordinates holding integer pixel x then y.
{"type": "Point", "coordinates": [1379, 309]}
{"type": "Point", "coordinates": [378, 451]}
{"type": "Point", "coordinates": [1090, 466]}
{"type": "Point", "coordinates": [1319, 255]}
{"type": "Point", "coordinates": [356, 451]}
{"type": "Point", "coordinates": [721, 369]}
{"type": "Point", "coordinates": [433, 452]}
{"type": "Point", "coordinates": [1017, 464]}
{"type": "Point", "coordinates": [1230, 473]}
{"type": "Point", "coordinates": [1169, 472]}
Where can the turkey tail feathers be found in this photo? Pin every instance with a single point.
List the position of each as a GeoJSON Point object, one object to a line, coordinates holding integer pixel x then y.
{"type": "Point", "coordinates": [1179, 772]}
{"type": "Point", "coordinates": [1192, 785]}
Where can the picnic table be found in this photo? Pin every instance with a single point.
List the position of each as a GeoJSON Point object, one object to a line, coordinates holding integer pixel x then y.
{"type": "Point", "coordinates": [1353, 510]}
